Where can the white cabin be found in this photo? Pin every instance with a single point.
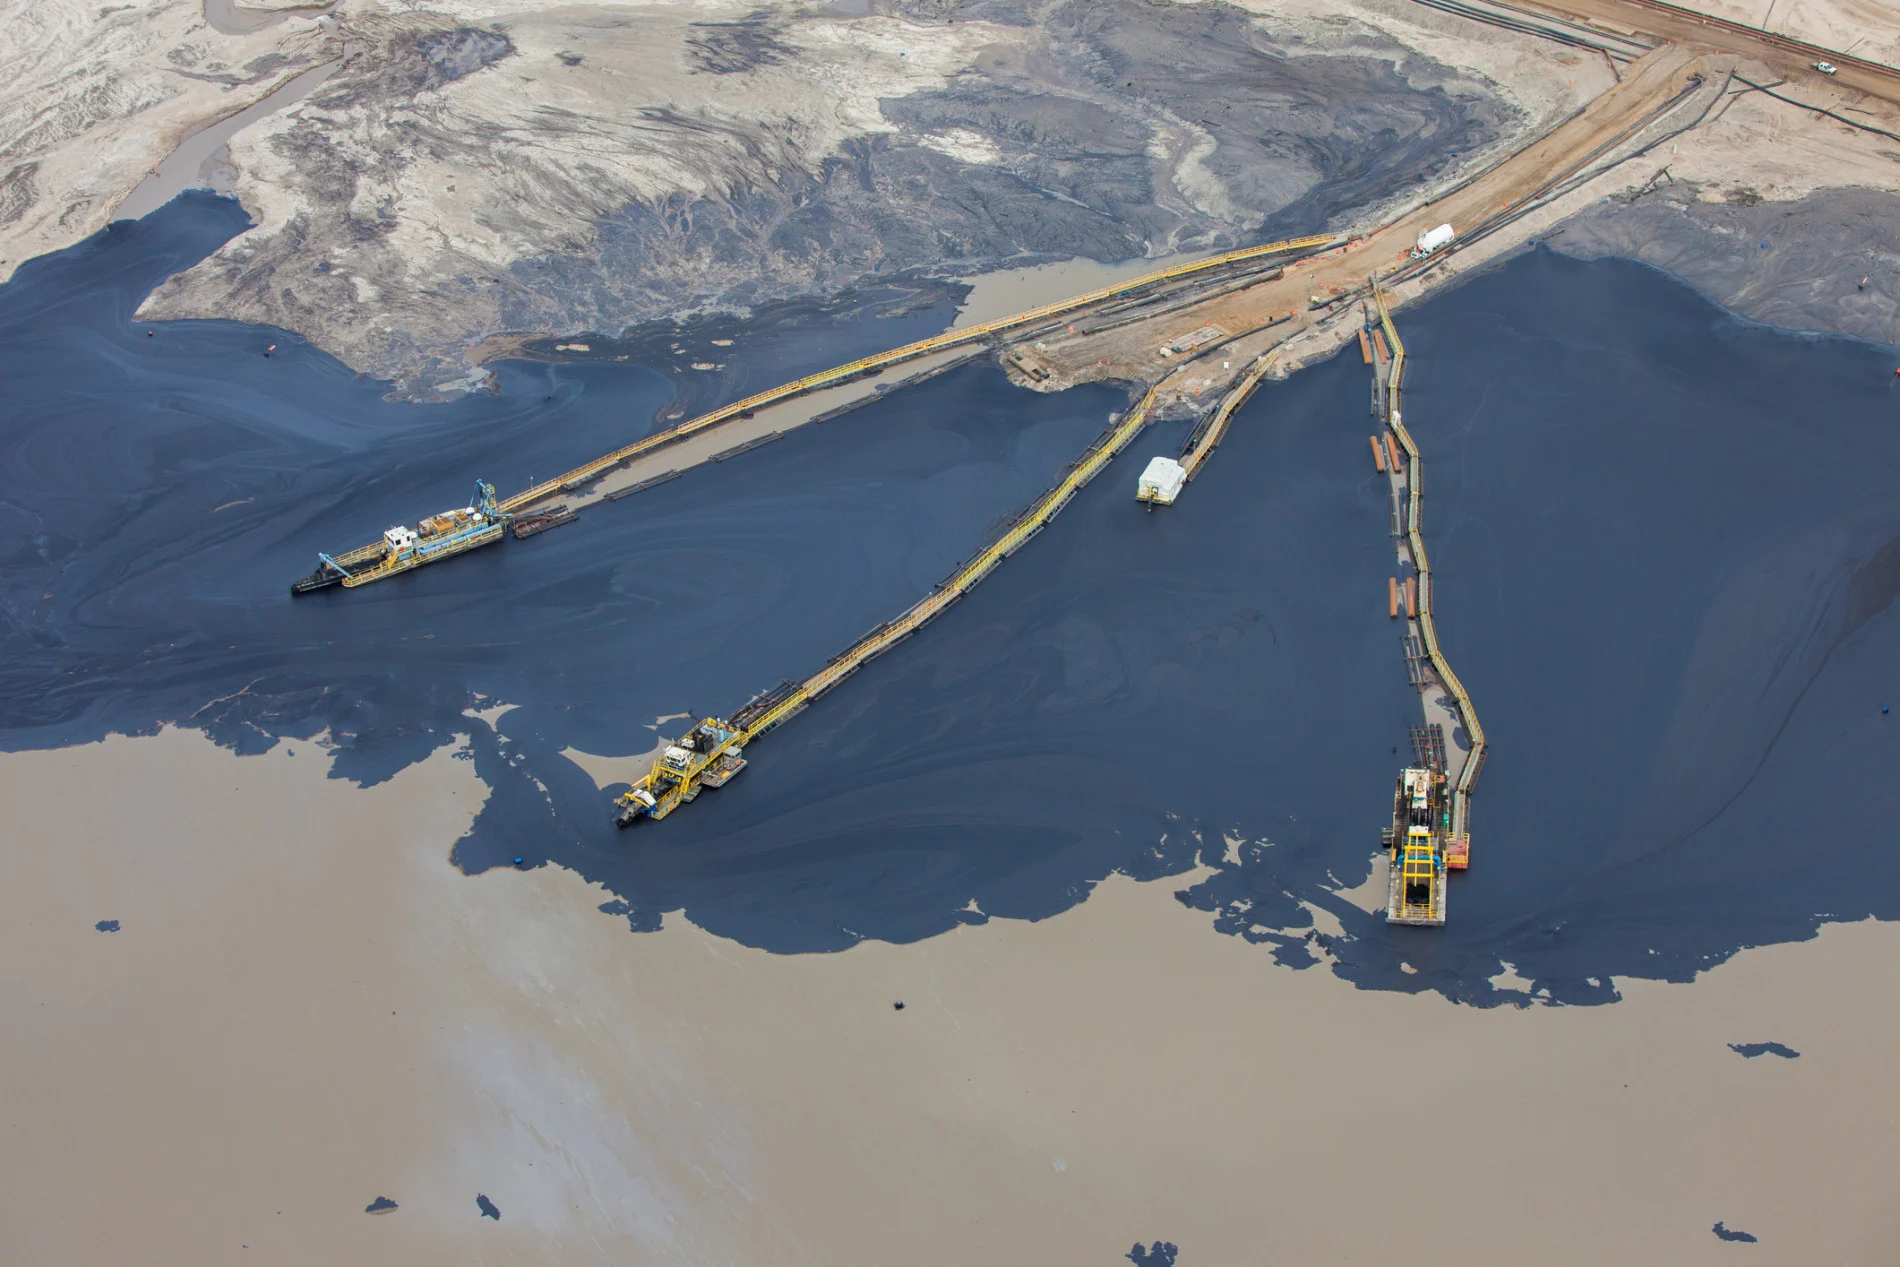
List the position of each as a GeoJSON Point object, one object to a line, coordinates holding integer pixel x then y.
{"type": "Point", "coordinates": [1161, 482]}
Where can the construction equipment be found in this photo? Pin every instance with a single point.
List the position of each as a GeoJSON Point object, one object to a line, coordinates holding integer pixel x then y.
{"type": "Point", "coordinates": [1414, 843]}
{"type": "Point", "coordinates": [705, 756]}
{"type": "Point", "coordinates": [401, 548]}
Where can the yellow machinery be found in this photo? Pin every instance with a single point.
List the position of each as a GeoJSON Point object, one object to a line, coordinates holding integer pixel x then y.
{"type": "Point", "coordinates": [705, 756]}
{"type": "Point", "coordinates": [1415, 884]}
{"type": "Point", "coordinates": [442, 536]}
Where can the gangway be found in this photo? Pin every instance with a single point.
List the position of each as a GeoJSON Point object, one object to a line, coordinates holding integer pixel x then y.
{"type": "Point", "coordinates": [1451, 826]}
{"type": "Point", "coordinates": [683, 767]}
{"type": "Point", "coordinates": [1162, 482]}
{"type": "Point", "coordinates": [589, 472]}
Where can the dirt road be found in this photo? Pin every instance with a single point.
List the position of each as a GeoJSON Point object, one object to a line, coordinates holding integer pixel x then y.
{"type": "Point", "coordinates": [1658, 84]}
{"type": "Point", "coordinates": [1789, 57]}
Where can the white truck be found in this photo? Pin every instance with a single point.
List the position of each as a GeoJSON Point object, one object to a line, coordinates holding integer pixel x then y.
{"type": "Point", "coordinates": [1432, 240]}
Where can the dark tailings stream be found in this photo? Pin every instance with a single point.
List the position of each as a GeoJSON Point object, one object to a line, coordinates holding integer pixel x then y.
{"type": "Point", "coordinates": [1669, 545]}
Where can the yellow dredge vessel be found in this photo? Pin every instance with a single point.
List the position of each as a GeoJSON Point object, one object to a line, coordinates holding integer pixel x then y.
{"type": "Point", "coordinates": [1415, 845]}
{"type": "Point", "coordinates": [401, 548]}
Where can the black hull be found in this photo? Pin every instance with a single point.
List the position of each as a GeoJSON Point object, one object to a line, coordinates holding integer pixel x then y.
{"type": "Point", "coordinates": [321, 579]}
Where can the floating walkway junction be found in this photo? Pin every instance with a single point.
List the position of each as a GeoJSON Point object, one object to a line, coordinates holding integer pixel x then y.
{"type": "Point", "coordinates": [1430, 831]}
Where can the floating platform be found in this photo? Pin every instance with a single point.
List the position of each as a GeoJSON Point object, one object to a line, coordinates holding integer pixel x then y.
{"type": "Point", "coordinates": [705, 756]}
{"type": "Point", "coordinates": [1161, 482]}
{"type": "Point", "coordinates": [552, 517]}
{"type": "Point", "coordinates": [653, 481]}
{"type": "Point", "coordinates": [1415, 847]}
{"type": "Point", "coordinates": [405, 548]}
{"type": "Point", "coordinates": [747, 447]}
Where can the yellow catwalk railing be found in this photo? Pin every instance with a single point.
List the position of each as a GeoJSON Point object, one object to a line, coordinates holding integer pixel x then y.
{"type": "Point", "coordinates": [966, 577]}
{"type": "Point", "coordinates": [1466, 712]}
{"type": "Point", "coordinates": [883, 360]}
{"type": "Point", "coordinates": [1236, 397]}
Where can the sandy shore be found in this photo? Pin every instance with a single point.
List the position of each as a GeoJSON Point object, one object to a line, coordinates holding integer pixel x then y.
{"type": "Point", "coordinates": [305, 1008]}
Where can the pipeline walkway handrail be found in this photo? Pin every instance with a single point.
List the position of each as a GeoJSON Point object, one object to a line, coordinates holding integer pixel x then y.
{"type": "Point", "coordinates": [1237, 396]}
{"type": "Point", "coordinates": [968, 575]}
{"type": "Point", "coordinates": [980, 565]}
{"type": "Point", "coordinates": [1467, 712]}
{"type": "Point", "coordinates": [910, 351]}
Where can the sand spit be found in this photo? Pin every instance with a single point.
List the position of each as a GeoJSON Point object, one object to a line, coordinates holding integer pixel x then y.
{"type": "Point", "coordinates": [306, 1009]}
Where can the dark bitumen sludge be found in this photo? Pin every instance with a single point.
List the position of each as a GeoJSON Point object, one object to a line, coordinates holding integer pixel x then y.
{"type": "Point", "coordinates": [1668, 543]}
{"type": "Point", "coordinates": [1748, 1051]}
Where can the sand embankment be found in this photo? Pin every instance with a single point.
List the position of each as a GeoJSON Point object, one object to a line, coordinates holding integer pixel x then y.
{"type": "Point", "coordinates": [306, 1008]}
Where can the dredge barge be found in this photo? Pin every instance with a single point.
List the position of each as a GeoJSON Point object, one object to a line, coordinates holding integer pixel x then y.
{"type": "Point", "coordinates": [438, 537]}
{"type": "Point", "coordinates": [1415, 844]}
{"type": "Point", "coordinates": [705, 756]}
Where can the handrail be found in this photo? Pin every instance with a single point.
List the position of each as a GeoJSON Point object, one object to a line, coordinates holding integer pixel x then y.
{"type": "Point", "coordinates": [1237, 396]}
{"type": "Point", "coordinates": [910, 351]}
{"type": "Point", "coordinates": [1467, 712]}
{"type": "Point", "coordinates": [966, 577]}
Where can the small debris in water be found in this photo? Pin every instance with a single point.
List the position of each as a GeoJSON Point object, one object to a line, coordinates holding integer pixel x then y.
{"type": "Point", "coordinates": [898, 1006]}
{"type": "Point", "coordinates": [112, 926]}
{"type": "Point", "coordinates": [488, 1208]}
{"type": "Point", "coordinates": [381, 1205]}
{"type": "Point", "coordinates": [1732, 1234]}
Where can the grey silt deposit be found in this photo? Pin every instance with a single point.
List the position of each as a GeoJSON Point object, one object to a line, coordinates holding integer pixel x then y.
{"type": "Point", "coordinates": [1110, 131]}
{"type": "Point", "coordinates": [1828, 262]}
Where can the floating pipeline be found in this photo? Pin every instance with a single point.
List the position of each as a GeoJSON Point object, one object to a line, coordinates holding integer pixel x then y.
{"type": "Point", "coordinates": [343, 568]}
{"type": "Point", "coordinates": [708, 755]}
{"type": "Point", "coordinates": [754, 443]}
{"type": "Point", "coordinates": [552, 517]}
{"type": "Point", "coordinates": [652, 481]}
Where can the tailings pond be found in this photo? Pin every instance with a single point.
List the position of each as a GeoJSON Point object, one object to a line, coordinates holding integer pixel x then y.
{"type": "Point", "coordinates": [1668, 543]}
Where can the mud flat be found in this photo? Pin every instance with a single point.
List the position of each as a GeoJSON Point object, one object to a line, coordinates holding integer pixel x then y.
{"type": "Point", "coordinates": [1830, 261]}
{"type": "Point", "coordinates": [93, 98]}
{"type": "Point", "coordinates": [672, 158]}
{"type": "Point", "coordinates": [304, 1010]}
